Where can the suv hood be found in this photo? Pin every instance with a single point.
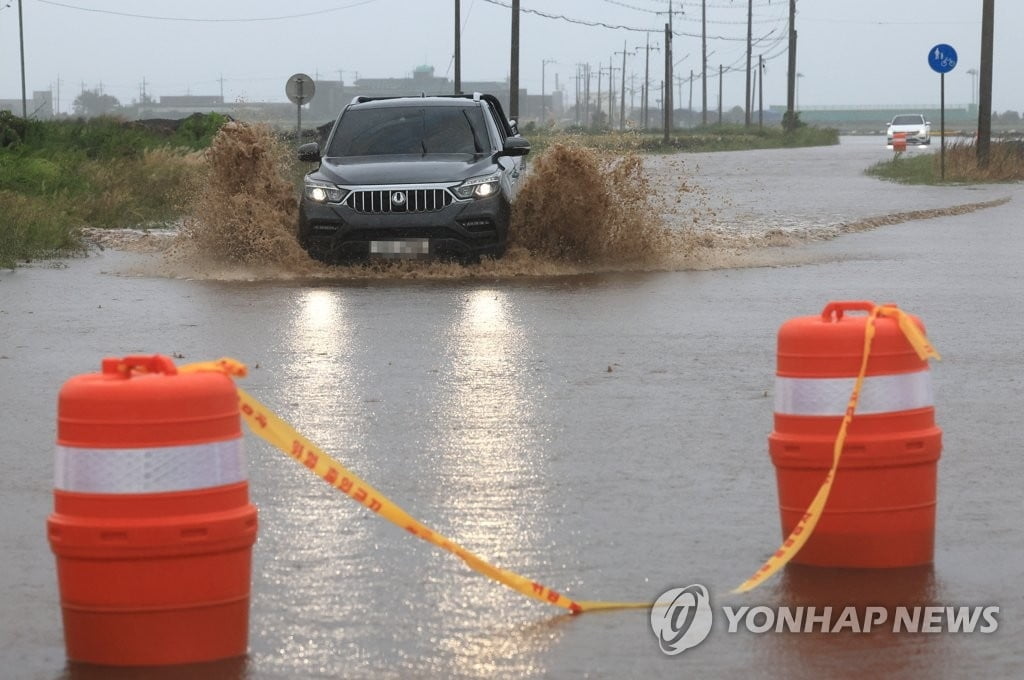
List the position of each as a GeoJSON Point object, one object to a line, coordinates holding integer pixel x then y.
{"type": "Point", "coordinates": [406, 169]}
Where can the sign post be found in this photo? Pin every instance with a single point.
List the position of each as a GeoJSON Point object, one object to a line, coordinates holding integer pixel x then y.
{"type": "Point", "coordinates": [942, 59]}
{"type": "Point", "coordinates": [300, 89]}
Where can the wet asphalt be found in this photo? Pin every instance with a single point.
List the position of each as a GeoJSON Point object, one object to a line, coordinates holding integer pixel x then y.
{"type": "Point", "coordinates": [604, 434]}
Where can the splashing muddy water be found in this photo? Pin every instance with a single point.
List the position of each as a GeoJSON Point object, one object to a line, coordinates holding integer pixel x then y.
{"type": "Point", "coordinates": [579, 211]}
{"type": "Point", "coordinates": [242, 214]}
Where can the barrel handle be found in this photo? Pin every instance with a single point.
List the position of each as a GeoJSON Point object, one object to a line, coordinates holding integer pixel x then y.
{"type": "Point", "coordinates": [156, 363]}
{"type": "Point", "coordinates": [836, 309]}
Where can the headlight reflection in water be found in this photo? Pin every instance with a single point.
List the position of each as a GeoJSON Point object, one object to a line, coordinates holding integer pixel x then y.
{"type": "Point", "coordinates": [491, 473]}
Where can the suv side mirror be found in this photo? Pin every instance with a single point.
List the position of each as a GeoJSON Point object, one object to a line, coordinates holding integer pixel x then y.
{"type": "Point", "coordinates": [515, 146]}
{"type": "Point", "coordinates": [310, 152]}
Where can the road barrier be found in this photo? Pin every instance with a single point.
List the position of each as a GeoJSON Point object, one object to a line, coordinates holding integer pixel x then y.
{"type": "Point", "coordinates": [153, 530]}
{"type": "Point", "coordinates": [880, 499]}
{"type": "Point", "coordinates": [152, 526]}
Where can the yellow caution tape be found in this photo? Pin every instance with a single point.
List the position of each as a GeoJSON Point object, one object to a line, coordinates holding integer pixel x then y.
{"type": "Point", "coordinates": [805, 527]}
{"type": "Point", "coordinates": [268, 426]}
{"type": "Point", "coordinates": [285, 438]}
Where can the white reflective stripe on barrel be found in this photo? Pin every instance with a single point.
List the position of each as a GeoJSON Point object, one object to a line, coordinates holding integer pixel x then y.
{"type": "Point", "coordinates": [153, 470]}
{"type": "Point", "coordinates": [830, 396]}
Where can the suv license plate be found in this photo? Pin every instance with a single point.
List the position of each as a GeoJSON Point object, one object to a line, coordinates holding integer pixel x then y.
{"type": "Point", "coordinates": [404, 248]}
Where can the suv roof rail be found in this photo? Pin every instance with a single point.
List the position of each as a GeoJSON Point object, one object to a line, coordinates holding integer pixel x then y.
{"type": "Point", "coordinates": [475, 96]}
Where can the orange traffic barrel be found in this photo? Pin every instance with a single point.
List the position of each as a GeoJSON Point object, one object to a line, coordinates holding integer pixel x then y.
{"type": "Point", "coordinates": [152, 526]}
{"type": "Point", "coordinates": [899, 141]}
{"type": "Point", "coordinates": [881, 510]}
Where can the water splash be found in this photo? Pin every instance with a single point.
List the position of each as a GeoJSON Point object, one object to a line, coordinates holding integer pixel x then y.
{"type": "Point", "coordinates": [579, 211]}
{"type": "Point", "coordinates": [588, 208]}
{"type": "Point", "coordinates": [243, 213]}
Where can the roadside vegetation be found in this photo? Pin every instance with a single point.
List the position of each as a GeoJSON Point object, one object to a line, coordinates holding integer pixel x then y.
{"type": "Point", "coordinates": [725, 137]}
{"type": "Point", "coordinates": [59, 176]}
{"type": "Point", "coordinates": [1006, 164]}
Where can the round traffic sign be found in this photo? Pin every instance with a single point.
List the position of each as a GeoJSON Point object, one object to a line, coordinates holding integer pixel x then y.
{"type": "Point", "coordinates": [300, 88]}
{"type": "Point", "coordinates": [942, 58]}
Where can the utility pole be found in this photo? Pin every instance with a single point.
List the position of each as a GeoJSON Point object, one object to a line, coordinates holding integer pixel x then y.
{"type": "Point", "coordinates": [21, 42]}
{"type": "Point", "coordinates": [599, 71]}
{"type": "Point", "coordinates": [668, 75]}
{"type": "Point", "coordinates": [458, 48]}
{"type": "Point", "coordinates": [586, 99]}
{"type": "Point", "coordinates": [750, 92]}
{"type": "Point", "coordinates": [513, 81]}
{"type": "Point", "coordinates": [679, 82]}
{"type": "Point", "coordinates": [704, 59]}
{"type": "Point", "coordinates": [791, 76]}
{"type": "Point", "coordinates": [576, 117]}
{"type": "Point", "coordinates": [611, 92]}
{"type": "Point", "coordinates": [760, 90]}
{"type": "Point", "coordinates": [690, 107]}
{"type": "Point", "coordinates": [611, 96]}
{"type": "Point", "coordinates": [753, 93]}
{"type": "Point", "coordinates": [666, 99]}
{"type": "Point", "coordinates": [662, 102]}
{"type": "Point", "coordinates": [720, 72]}
{"type": "Point", "coordinates": [985, 92]}
{"type": "Point", "coordinates": [622, 101]}
{"type": "Point", "coordinates": [645, 105]}
{"type": "Point", "coordinates": [973, 73]}
{"type": "Point", "coordinates": [543, 98]}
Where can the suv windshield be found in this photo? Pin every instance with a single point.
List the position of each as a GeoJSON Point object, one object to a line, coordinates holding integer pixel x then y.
{"type": "Point", "coordinates": [908, 120]}
{"type": "Point", "coordinates": [410, 130]}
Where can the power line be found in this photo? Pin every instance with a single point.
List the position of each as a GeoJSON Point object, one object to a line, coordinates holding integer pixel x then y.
{"type": "Point", "coordinates": [601, 24]}
{"type": "Point", "coordinates": [683, 17]}
{"type": "Point", "coordinates": [189, 19]}
{"type": "Point", "coordinates": [696, 4]}
{"type": "Point", "coordinates": [628, 6]}
{"type": "Point", "coordinates": [923, 22]}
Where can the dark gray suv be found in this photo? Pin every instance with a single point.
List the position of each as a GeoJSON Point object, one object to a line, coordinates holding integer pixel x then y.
{"type": "Point", "coordinates": [412, 177]}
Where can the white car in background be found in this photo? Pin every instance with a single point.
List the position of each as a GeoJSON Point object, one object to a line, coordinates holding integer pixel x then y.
{"type": "Point", "coordinates": [917, 129]}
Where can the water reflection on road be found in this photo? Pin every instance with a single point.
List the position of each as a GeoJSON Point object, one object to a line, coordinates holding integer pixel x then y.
{"type": "Point", "coordinates": [490, 461]}
{"type": "Point", "coordinates": [603, 434]}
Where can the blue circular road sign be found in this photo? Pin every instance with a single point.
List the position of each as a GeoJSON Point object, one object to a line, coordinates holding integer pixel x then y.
{"type": "Point", "coordinates": [942, 58]}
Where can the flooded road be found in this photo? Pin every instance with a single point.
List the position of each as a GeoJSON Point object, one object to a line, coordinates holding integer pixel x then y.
{"type": "Point", "coordinates": [602, 433]}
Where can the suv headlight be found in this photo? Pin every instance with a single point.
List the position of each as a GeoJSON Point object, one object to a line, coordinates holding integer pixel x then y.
{"type": "Point", "coordinates": [479, 187]}
{"type": "Point", "coordinates": [322, 192]}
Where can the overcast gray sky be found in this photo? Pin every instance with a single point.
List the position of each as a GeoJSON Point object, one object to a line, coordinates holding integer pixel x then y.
{"type": "Point", "coordinates": [850, 52]}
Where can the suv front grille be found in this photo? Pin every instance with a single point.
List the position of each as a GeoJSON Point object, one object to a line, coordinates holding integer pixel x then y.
{"type": "Point", "coordinates": [399, 199]}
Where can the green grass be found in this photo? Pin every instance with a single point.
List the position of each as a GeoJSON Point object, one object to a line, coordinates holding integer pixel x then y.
{"type": "Point", "coordinates": [1006, 164]}
{"type": "Point", "coordinates": [916, 169]}
{"type": "Point", "coordinates": [693, 140]}
{"type": "Point", "coordinates": [58, 176]}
